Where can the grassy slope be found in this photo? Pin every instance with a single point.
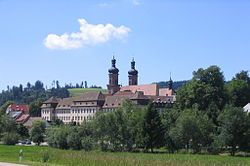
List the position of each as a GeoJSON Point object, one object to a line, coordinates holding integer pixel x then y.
{"type": "Point", "coordinates": [79, 91]}
{"type": "Point", "coordinates": [33, 156]}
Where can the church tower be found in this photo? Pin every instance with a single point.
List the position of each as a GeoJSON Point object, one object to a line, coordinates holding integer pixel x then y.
{"type": "Point", "coordinates": [113, 85]}
{"type": "Point", "coordinates": [170, 83]}
{"type": "Point", "coordinates": [133, 74]}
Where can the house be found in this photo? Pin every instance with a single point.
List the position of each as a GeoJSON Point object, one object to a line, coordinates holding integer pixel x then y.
{"type": "Point", "coordinates": [19, 112]}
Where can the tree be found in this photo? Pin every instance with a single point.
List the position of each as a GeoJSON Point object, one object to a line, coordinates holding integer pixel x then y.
{"type": "Point", "coordinates": [57, 84]}
{"type": "Point", "coordinates": [120, 130]}
{"type": "Point", "coordinates": [239, 89]}
{"type": "Point", "coordinates": [192, 130]}
{"type": "Point", "coordinates": [205, 91]}
{"type": "Point", "coordinates": [153, 129]}
{"type": "Point", "coordinates": [234, 128]}
{"type": "Point", "coordinates": [4, 107]}
{"type": "Point", "coordinates": [73, 139]}
{"type": "Point", "coordinates": [168, 119]}
{"type": "Point", "coordinates": [35, 110]}
{"type": "Point", "coordinates": [57, 137]}
{"type": "Point", "coordinates": [85, 84]}
{"type": "Point", "coordinates": [244, 76]}
{"type": "Point", "coordinates": [87, 143]}
{"type": "Point", "coordinates": [22, 131]}
{"type": "Point", "coordinates": [38, 85]}
{"type": "Point", "coordinates": [28, 86]}
{"type": "Point", "coordinates": [38, 131]}
{"type": "Point", "coordinates": [10, 138]}
{"type": "Point", "coordinates": [7, 124]}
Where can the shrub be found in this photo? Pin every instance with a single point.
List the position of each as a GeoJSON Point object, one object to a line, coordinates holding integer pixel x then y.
{"type": "Point", "coordinates": [74, 140]}
{"type": "Point", "coordinates": [10, 138]}
{"type": "Point", "coordinates": [87, 143]}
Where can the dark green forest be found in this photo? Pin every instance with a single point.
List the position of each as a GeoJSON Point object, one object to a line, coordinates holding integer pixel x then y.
{"type": "Point", "coordinates": [176, 84]}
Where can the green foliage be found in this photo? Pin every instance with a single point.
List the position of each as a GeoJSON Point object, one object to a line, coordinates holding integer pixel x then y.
{"type": "Point", "coordinates": [56, 122]}
{"type": "Point", "coordinates": [234, 128]}
{"type": "Point", "coordinates": [34, 107]}
{"type": "Point", "coordinates": [74, 139]}
{"type": "Point", "coordinates": [10, 138]}
{"type": "Point", "coordinates": [239, 89]}
{"type": "Point", "coordinates": [192, 130]}
{"type": "Point", "coordinates": [7, 124]}
{"type": "Point", "coordinates": [22, 131]}
{"type": "Point", "coordinates": [168, 119]}
{"type": "Point", "coordinates": [206, 91]}
{"type": "Point", "coordinates": [153, 129]}
{"type": "Point", "coordinates": [57, 137]}
{"type": "Point", "coordinates": [4, 107]}
{"type": "Point", "coordinates": [87, 143]}
{"type": "Point", "coordinates": [120, 130]}
{"type": "Point", "coordinates": [38, 131]}
{"type": "Point", "coordinates": [176, 84]}
{"type": "Point", "coordinates": [31, 93]}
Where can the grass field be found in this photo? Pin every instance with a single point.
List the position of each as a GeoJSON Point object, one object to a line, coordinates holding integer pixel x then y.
{"type": "Point", "coordinates": [34, 156]}
{"type": "Point", "coordinates": [79, 91]}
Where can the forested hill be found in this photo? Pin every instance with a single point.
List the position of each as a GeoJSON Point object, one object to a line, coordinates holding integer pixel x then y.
{"type": "Point", "coordinates": [31, 93]}
{"type": "Point", "coordinates": [176, 84]}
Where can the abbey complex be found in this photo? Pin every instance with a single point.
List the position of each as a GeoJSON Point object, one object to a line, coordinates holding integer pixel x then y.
{"type": "Point", "coordinates": [84, 107]}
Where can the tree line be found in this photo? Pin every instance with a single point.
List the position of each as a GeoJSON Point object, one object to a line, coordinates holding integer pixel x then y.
{"type": "Point", "coordinates": [33, 95]}
{"type": "Point", "coordinates": [206, 118]}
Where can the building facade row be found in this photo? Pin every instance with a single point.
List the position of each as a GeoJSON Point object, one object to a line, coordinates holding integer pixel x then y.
{"type": "Point", "coordinates": [83, 108]}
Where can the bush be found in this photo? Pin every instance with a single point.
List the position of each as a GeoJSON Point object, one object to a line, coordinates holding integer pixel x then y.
{"type": "Point", "coordinates": [74, 140]}
{"type": "Point", "coordinates": [87, 143]}
{"type": "Point", "coordinates": [216, 146]}
{"type": "Point", "coordinates": [104, 146]}
{"type": "Point", "coordinates": [10, 138]}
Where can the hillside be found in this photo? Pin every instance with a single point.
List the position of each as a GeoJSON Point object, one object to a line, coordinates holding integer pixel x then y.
{"type": "Point", "coordinates": [79, 91]}
{"type": "Point", "coordinates": [176, 84]}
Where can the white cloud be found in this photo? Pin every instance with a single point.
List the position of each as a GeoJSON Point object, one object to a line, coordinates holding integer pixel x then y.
{"type": "Point", "coordinates": [136, 2]}
{"type": "Point", "coordinates": [89, 34]}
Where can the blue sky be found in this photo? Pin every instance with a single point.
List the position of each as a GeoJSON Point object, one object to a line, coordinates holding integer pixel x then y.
{"type": "Point", "coordinates": [163, 36]}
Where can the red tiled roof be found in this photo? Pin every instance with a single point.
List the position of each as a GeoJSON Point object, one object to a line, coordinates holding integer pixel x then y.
{"type": "Point", "coordinates": [19, 107]}
{"type": "Point", "coordinates": [53, 100]}
{"type": "Point", "coordinates": [90, 96]}
{"type": "Point", "coordinates": [23, 118]}
{"type": "Point", "coordinates": [149, 89]}
{"type": "Point", "coordinates": [114, 101]}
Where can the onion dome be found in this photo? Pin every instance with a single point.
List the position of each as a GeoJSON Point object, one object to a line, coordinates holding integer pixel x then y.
{"type": "Point", "coordinates": [113, 69]}
{"type": "Point", "coordinates": [133, 71]}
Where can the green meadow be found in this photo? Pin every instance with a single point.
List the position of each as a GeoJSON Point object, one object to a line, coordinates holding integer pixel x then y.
{"type": "Point", "coordinates": [78, 91]}
{"type": "Point", "coordinates": [34, 155]}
